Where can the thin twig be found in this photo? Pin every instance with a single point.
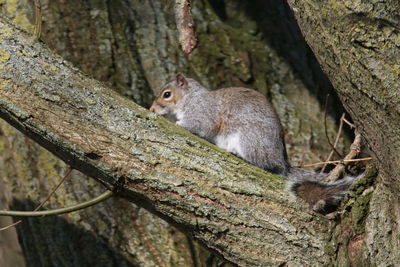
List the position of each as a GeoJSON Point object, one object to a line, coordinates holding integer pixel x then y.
{"type": "Point", "coordinates": [38, 19]}
{"type": "Point", "coordinates": [339, 169]}
{"type": "Point", "coordinates": [352, 126]}
{"type": "Point", "coordinates": [69, 170]}
{"type": "Point", "coordinates": [336, 162]}
{"type": "Point", "coordinates": [10, 225]}
{"type": "Point", "coordinates": [80, 206]}
{"type": "Point", "coordinates": [336, 142]}
{"type": "Point", "coordinates": [326, 128]}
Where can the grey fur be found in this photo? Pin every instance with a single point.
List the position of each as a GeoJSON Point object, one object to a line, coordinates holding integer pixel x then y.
{"type": "Point", "coordinates": [243, 122]}
{"type": "Point", "coordinates": [223, 113]}
{"type": "Point", "coordinates": [323, 197]}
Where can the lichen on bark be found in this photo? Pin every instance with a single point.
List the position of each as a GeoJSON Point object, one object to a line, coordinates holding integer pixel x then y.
{"type": "Point", "coordinates": [177, 176]}
{"type": "Point", "coordinates": [134, 49]}
{"type": "Point", "coordinates": [357, 45]}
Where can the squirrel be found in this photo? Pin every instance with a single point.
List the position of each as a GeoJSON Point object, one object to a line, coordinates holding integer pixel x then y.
{"type": "Point", "coordinates": [243, 122]}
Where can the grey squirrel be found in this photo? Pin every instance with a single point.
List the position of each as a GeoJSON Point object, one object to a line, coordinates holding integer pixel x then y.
{"type": "Point", "coordinates": [243, 122]}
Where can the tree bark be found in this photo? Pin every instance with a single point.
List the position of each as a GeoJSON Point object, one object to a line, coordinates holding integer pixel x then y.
{"type": "Point", "coordinates": [237, 210]}
{"type": "Point", "coordinates": [133, 47]}
{"type": "Point", "coordinates": [357, 44]}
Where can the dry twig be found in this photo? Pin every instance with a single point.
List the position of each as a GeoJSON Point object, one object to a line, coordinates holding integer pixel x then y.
{"type": "Point", "coordinates": [339, 169]}
{"type": "Point", "coordinates": [336, 142]}
{"type": "Point", "coordinates": [69, 170]}
{"type": "Point", "coordinates": [38, 19]}
{"type": "Point", "coordinates": [185, 26]}
{"type": "Point", "coordinates": [336, 162]}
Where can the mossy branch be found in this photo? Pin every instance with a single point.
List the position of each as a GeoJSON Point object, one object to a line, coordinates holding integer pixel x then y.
{"type": "Point", "coordinates": [237, 210]}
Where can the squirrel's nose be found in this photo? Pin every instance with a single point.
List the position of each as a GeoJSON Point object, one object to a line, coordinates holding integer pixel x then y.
{"type": "Point", "coordinates": [152, 108]}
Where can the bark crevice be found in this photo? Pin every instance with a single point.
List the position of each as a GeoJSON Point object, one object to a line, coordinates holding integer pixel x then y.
{"type": "Point", "coordinates": [156, 158]}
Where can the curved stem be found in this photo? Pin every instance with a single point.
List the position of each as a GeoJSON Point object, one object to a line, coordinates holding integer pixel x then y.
{"type": "Point", "coordinates": [79, 206]}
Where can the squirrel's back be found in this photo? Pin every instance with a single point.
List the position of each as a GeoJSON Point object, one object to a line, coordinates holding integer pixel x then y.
{"type": "Point", "coordinates": [243, 122]}
{"type": "Point", "coordinates": [242, 109]}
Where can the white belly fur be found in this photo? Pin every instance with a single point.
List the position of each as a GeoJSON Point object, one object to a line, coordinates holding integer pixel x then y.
{"type": "Point", "coordinates": [230, 143]}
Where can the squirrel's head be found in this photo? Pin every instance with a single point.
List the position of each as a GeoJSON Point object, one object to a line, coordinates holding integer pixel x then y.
{"type": "Point", "coordinates": [166, 101]}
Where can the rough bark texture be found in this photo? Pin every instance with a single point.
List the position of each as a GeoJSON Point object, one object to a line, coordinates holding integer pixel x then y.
{"type": "Point", "coordinates": [10, 251]}
{"type": "Point", "coordinates": [358, 45]}
{"type": "Point", "coordinates": [237, 210]}
{"type": "Point", "coordinates": [133, 47]}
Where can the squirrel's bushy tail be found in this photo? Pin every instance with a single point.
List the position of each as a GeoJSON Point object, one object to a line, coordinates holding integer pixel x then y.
{"type": "Point", "coordinates": [323, 197]}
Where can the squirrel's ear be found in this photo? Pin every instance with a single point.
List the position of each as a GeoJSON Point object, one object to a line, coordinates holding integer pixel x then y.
{"type": "Point", "coordinates": [181, 80]}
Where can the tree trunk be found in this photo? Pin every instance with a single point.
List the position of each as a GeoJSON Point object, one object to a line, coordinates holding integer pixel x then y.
{"type": "Point", "coordinates": [357, 44]}
{"type": "Point", "coordinates": [133, 47]}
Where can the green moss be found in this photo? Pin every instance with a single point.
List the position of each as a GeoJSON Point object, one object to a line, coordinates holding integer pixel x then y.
{"type": "Point", "coordinates": [366, 181]}
{"type": "Point", "coordinates": [359, 210]}
{"type": "Point", "coordinates": [361, 192]}
{"type": "Point", "coordinates": [21, 16]}
{"type": "Point", "coordinates": [173, 129]}
{"type": "Point", "coordinates": [11, 7]}
{"type": "Point", "coordinates": [4, 57]}
{"type": "Point", "coordinates": [353, 212]}
{"type": "Point", "coordinates": [275, 183]}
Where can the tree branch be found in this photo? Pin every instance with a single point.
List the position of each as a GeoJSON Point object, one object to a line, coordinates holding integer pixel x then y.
{"type": "Point", "coordinates": [235, 209]}
{"type": "Point", "coordinates": [185, 26]}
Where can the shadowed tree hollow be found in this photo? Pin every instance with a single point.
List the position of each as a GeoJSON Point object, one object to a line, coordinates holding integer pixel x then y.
{"type": "Point", "coordinates": [237, 211]}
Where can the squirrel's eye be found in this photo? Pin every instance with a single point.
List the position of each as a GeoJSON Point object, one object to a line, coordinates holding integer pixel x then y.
{"type": "Point", "coordinates": [167, 94]}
